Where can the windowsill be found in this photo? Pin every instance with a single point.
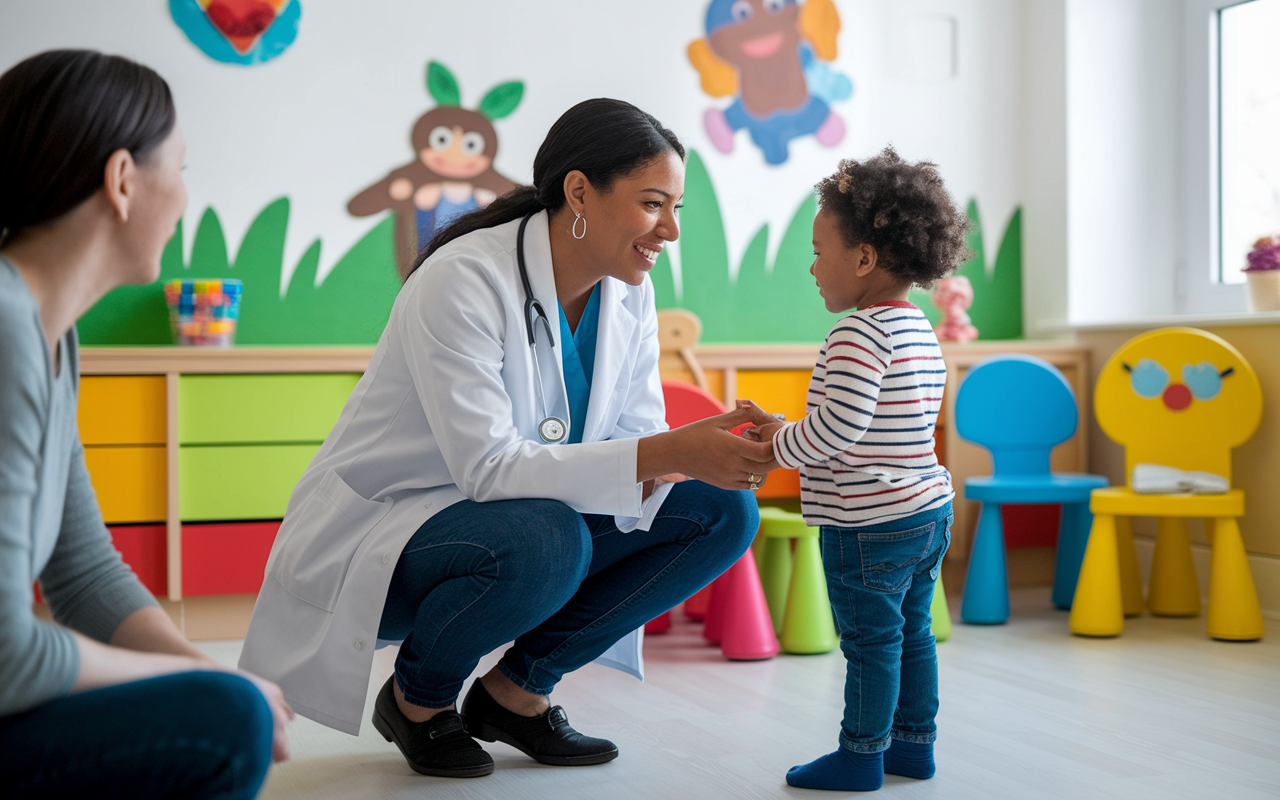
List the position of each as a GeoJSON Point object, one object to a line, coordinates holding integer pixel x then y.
{"type": "Point", "coordinates": [1191, 320]}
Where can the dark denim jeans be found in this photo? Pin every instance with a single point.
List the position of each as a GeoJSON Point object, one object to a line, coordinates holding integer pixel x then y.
{"type": "Point", "coordinates": [563, 586]}
{"type": "Point", "coordinates": [880, 579]}
{"type": "Point", "coordinates": [192, 735]}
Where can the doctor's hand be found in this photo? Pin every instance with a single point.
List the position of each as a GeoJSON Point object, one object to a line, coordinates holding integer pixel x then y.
{"type": "Point", "coordinates": [281, 713]}
{"type": "Point", "coordinates": [709, 451]}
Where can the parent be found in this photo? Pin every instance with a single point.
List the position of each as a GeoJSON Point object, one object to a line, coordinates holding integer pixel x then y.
{"type": "Point", "coordinates": [109, 700]}
{"type": "Point", "coordinates": [498, 473]}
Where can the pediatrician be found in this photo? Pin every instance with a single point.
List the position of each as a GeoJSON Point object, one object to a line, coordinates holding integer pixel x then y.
{"type": "Point", "coordinates": [503, 472]}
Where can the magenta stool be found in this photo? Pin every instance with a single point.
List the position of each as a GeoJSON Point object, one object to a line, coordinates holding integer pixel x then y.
{"type": "Point", "coordinates": [738, 616]}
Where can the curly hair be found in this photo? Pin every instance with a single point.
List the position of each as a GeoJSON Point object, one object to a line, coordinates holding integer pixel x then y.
{"type": "Point", "coordinates": [900, 209]}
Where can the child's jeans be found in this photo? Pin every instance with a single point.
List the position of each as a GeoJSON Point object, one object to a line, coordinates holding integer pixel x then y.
{"type": "Point", "coordinates": [880, 579]}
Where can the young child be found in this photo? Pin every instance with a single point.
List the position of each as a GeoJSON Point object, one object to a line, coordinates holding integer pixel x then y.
{"type": "Point", "coordinates": [869, 477]}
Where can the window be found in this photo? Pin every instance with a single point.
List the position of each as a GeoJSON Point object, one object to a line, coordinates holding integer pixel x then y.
{"type": "Point", "coordinates": [1249, 131]}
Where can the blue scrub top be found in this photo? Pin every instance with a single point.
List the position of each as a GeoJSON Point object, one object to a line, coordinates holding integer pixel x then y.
{"type": "Point", "coordinates": [579, 360]}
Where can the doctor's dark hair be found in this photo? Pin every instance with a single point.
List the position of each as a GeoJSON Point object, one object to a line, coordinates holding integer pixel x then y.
{"type": "Point", "coordinates": [62, 114]}
{"type": "Point", "coordinates": [902, 210]}
{"type": "Point", "coordinates": [604, 139]}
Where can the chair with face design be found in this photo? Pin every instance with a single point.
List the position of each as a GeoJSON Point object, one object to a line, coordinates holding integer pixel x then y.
{"type": "Point", "coordinates": [1182, 398]}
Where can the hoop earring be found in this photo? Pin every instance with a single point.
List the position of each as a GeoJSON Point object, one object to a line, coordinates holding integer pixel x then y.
{"type": "Point", "coordinates": [574, 230]}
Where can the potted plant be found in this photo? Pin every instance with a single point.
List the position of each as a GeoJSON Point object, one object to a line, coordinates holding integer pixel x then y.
{"type": "Point", "coordinates": [1263, 274]}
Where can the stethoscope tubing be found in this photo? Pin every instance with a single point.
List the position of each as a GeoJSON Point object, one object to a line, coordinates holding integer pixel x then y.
{"type": "Point", "coordinates": [551, 430]}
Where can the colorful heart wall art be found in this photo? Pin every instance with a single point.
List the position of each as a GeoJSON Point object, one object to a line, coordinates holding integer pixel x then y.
{"type": "Point", "coordinates": [244, 32]}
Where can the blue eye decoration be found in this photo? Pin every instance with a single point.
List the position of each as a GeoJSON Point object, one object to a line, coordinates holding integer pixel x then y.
{"type": "Point", "coordinates": [1148, 379]}
{"type": "Point", "coordinates": [741, 11]}
{"type": "Point", "coordinates": [1204, 380]}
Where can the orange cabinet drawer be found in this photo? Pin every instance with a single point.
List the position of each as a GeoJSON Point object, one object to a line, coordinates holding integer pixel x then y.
{"type": "Point", "coordinates": [130, 482]}
{"type": "Point", "coordinates": [126, 409]}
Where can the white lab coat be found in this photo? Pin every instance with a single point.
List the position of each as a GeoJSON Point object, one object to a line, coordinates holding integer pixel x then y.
{"type": "Point", "coordinates": [446, 411]}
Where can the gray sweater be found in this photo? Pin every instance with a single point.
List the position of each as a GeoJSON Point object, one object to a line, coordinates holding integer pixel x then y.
{"type": "Point", "coordinates": [50, 524]}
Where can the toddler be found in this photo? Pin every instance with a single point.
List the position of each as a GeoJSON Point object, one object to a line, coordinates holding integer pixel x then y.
{"type": "Point", "coordinates": [868, 474]}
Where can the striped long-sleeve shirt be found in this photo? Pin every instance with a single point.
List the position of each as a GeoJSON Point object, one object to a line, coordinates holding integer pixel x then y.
{"type": "Point", "coordinates": [865, 448]}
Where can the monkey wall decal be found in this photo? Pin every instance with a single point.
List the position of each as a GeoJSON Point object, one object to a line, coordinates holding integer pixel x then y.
{"type": "Point", "coordinates": [453, 170]}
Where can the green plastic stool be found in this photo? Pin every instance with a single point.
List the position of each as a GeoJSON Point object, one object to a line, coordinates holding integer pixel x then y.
{"type": "Point", "coordinates": [940, 612]}
{"type": "Point", "coordinates": [795, 586]}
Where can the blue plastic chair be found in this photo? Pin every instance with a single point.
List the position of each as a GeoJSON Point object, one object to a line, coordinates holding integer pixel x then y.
{"type": "Point", "coordinates": [1019, 407]}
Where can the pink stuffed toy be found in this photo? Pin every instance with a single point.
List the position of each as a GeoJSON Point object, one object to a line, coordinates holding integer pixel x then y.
{"type": "Point", "coordinates": [953, 297]}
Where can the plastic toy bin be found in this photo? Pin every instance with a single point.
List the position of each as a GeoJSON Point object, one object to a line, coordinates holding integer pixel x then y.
{"type": "Point", "coordinates": [204, 312]}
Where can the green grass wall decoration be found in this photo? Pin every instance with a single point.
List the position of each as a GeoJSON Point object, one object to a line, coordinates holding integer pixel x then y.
{"type": "Point", "coordinates": [350, 307]}
{"type": "Point", "coordinates": [765, 303]}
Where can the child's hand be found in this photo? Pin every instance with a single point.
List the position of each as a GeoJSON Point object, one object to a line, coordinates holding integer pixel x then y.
{"type": "Point", "coordinates": [763, 433]}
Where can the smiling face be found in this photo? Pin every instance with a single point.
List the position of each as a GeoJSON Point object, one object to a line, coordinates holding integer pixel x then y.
{"type": "Point", "coordinates": [628, 225]}
{"type": "Point", "coordinates": [750, 33]}
{"type": "Point", "coordinates": [454, 143]}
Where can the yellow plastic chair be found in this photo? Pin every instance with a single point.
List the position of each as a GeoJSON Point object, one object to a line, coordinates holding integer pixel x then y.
{"type": "Point", "coordinates": [1183, 398]}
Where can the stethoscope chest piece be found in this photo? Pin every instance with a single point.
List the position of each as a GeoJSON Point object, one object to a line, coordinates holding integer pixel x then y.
{"type": "Point", "coordinates": [553, 430]}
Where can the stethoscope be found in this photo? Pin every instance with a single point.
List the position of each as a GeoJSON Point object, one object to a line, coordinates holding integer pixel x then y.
{"type": "Point", "coordinates": [552, 430]}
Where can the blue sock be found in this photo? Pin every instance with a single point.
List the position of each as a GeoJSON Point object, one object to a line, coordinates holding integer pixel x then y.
{"type": "Point", "coordinates": [843, 770]}
{"type": "Point", "coordinates": [909, 759]}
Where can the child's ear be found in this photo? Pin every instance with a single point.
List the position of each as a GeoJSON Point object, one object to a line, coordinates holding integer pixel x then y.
{"type": "Point", "coordinates": [867, 258]}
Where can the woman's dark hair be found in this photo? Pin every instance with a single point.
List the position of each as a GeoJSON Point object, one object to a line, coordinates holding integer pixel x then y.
{"type": "Point", "coordinates": [62, 114]}
{"type": "Point", "coordinates": [604, 139]}
{"type": "Point", "coordinates": [900, 209]}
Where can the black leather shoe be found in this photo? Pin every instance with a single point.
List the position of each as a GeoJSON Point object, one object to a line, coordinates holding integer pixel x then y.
{"type": "Point", "coordinates": [546, 738]}
{"type": "Point", "coordinates": [440, 746]}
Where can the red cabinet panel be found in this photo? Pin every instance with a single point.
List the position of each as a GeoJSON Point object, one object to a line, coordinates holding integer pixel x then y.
{"type": "Point", "coordinates": [145, 550]}
{"type": "Point", "coordinates": [225, 558]}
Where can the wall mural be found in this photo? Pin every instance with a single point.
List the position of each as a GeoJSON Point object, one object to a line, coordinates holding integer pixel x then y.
{"type": "Point", "coordinates": [243, 32]}
{"type": "Point", "coordinates": [452, 172]}
{"type": "Point", "coordinates": [766, 302]}
{"type": "Point", "coordinates": [770, 57]}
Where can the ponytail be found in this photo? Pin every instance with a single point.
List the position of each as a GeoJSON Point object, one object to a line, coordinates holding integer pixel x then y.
{"type": "Point", "coordinates": [603, 139]}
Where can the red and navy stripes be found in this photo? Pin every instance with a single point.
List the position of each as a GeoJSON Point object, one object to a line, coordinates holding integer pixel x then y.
{"type": "Point", "coordinates": [865, 449]}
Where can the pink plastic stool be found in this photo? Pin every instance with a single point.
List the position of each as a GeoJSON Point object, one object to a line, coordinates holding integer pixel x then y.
{"type": "Point", "coordinates": [738, 616]}
{"type": "Point", "coordinates": [658, 625]}
{"type": "Point", "coordinates": [695, 608]}
{"type": "Point", "coordinates": [748, 628]}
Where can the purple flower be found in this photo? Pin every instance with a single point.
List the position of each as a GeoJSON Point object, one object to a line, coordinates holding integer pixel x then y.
{"type": "Point", "coordinates": [1265, 255]}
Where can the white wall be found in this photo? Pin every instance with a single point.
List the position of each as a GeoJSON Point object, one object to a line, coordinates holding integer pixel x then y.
{"type": "Point", "coordinates": [1044, 129]}
{"type": "Point", "coordinates": [333, 113]}
{"type": "Point", "coordinates": [1123, 158]}
{"type": "Point", "coordinates": [1120, 162]}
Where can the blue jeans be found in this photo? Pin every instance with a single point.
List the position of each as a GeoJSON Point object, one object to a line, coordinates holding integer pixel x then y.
{"type": "Point", "coordinates": [190, 735]}
{"type": "Point", "coordinates": [563, 586]}
{"type": "Point", "coordinates": [880, 579]}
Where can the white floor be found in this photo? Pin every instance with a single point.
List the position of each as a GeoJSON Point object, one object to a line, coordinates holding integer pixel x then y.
{"type": "Point", "coordinates": [1028, 711]}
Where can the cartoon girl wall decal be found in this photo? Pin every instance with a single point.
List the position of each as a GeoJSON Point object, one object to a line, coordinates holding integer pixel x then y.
{"type": "Point", "coordinates": [770, 55]}
{"type": "Point", "coordinates": [453, 172]}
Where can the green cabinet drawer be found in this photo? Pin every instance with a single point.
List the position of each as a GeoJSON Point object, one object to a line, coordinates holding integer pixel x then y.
{"type": "Point", "coordinates": [233, 409]}
{"type": "Point", "coordinates": [239, 482]}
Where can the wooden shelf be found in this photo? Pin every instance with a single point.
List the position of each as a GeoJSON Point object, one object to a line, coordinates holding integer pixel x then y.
{"type": "Point", "coordinates": [214, 360]}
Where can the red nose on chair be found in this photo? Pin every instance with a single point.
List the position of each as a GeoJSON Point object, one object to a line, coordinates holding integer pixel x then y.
{"type": "Point", "coordinates": [1177, 396]}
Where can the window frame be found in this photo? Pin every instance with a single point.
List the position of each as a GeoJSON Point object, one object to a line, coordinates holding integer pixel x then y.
{"type": "Point", "coordinates": [1200, 290]}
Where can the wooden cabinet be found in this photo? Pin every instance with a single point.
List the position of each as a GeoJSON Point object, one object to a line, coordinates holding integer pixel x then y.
{"type": "Point", "coordinates": [122, 424]}
{"type": "Point", "coordinates": [210, 443]}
